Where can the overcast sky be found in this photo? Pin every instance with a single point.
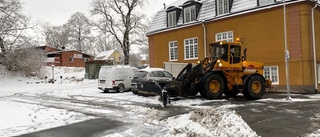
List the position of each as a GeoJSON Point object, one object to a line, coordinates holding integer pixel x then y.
{"type": "Point", "coordinates": [57, 12]}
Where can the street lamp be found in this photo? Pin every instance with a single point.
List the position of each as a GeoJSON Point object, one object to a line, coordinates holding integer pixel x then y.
{"type": "Point", "coordinates": [287, 55]}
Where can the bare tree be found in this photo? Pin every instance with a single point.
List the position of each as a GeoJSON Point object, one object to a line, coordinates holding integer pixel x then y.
{"type": "Point", "coordinates": [12, 23]}
{"type": "Point", "coordinates": [135, 60]}
{"type": "Point", "coordinates": [103, 43]}
{"type": "Point", "coordinates": [79, 29]}
{"type": "Point", "coordinates": [121, 19]}
{"type": "Point", "coordinates": [25, 59]}
{"type": "Point", "coordinates": [55, 36]}
{"type": "Point", "coordinates": [143, 46]}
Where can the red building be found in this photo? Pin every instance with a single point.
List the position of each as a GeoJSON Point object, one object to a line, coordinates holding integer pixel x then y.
{"type": "Point", "coordinates": [67, 58]}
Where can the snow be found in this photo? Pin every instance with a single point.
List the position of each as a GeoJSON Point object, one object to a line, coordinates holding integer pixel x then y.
{"type": "Point", "coordinates": [210, 123]}
{"type": "Point", "coordinates": [208, 13]}
{"type": "Point", "coordinates": [30, 104]}
{"type": "Point", "coordinates": [104, 55]}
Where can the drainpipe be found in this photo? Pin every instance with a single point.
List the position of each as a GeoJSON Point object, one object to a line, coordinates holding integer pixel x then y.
{"type": "Point", "coordinates": [314, 50]}
{"type": "Point", "coordinates": [204, 38]}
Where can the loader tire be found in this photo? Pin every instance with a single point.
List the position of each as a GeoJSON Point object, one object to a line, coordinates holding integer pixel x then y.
{"type": "Point", "coordinates": [255, 87]}
{"type": "Point", "coordinates": [205, 95]}
{"type": "Point", "coordinates": [214, 86]}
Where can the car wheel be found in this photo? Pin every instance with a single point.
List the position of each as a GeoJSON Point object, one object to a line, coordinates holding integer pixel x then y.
{"type": "Point", "coordinates": [134, 91]}
{"type": "Point", "coordinates": [120, 88]}
{"type": "Point", "coordinates": [106, 91]}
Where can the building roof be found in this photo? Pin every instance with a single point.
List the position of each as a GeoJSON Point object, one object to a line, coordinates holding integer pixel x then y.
{"type": "Point", "coordinates": [104, 55]}
{"type": "Point", "coordinates": [59, 52]}
{"type": "Point", "coordinates": [208, 13]}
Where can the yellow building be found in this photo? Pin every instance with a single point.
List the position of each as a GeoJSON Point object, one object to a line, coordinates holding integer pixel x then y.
{"type": "Point", "coordinates": [112, 57]}
{"type": "Point", "coordinates": [182, 31]}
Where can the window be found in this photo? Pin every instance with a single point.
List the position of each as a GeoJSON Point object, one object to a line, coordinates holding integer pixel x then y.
{"type": "Point", "coordinates": [167, 74]}
{"type": "Point", "coordinates": [271, 72]}
{"type": "Point", "coordinates": [173, 14]}
{"type": "Point", "coordinates": [265, 2]}
{"type": "Point", "coordinates": [173, 51]}
{"type": "Point", "coordinates": [172, 18]}
{"type": "Point", "coordinates": [191, 48]}
{"type": "Point", "coordinates": [70, 59]}
{"type": "Point", "coordinates": [227, 36]}
{"type": "Point", "coordinates": [222, 7]}
{"type": "Point", "coordinates": [189, 13]}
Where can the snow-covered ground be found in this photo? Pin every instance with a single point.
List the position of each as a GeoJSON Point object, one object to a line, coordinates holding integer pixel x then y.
{"type": "Point", "coordinates": [30, 104]}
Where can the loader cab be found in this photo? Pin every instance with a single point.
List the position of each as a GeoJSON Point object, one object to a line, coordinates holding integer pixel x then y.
{"type": "Point", "coordinates": [227, 53]}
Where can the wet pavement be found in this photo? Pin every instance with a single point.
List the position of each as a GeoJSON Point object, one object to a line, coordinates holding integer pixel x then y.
{"type": "Point", "coordinates": [273, 116]}
{"type": "Point", "coordinates": [276, 117]}
{"type": "Point", "coordinates": [82, 129]}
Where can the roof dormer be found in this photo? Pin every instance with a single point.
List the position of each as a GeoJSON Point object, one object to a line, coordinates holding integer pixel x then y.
{"type": "Point", "coordinates": [223, 7]}
{"type": "Point", "coordinates": [173, 14]}
{"type": "Point", "coordinates": [191, 10]}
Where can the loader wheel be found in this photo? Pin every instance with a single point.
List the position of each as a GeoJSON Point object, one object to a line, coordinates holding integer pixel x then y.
{"type": "Point", "coordinates": [214, 86]}
{"type": "Point", "coordinates": [255, 87]}
{"type": "Point", "coordinates": [231, 93]}
{"type": "Point", "coordinates": [205, 95]}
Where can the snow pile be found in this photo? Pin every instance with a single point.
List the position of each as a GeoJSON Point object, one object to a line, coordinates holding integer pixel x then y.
{"type": "Point", "coordinates": [314, 134]}
{"type": "Point", "coordinates": [209, 123]}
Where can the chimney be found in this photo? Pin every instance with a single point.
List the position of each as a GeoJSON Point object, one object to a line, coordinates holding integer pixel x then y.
{"type": "Point", "coordinates": [164, 6]}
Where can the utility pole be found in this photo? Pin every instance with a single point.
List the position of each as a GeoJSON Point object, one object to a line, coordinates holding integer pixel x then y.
{"type": "Point", "coordinates": [287, 54]}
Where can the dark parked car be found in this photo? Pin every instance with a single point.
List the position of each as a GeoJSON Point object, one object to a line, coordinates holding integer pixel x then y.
{"type": "Point", "coordinates": [150, 81]}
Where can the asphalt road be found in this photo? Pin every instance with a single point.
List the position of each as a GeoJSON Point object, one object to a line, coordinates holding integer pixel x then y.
{"type": "Point", "coordinates": [83, 129]}
{"type": "Point", "coordinates": [266, 118]}
{"type": "Point", "coordinates": [278, 119]}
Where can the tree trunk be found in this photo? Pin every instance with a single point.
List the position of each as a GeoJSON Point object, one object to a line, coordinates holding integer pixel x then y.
{"type": "Point", "coordinates": [126, 49]}
{"type": "Point", "coordinates": [3, 50]}
{"type": "Point", "coordinates": [126, 56]}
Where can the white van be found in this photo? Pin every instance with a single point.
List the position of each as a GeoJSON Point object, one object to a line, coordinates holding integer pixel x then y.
{"type": "Point", "coordinates": [115, 78]}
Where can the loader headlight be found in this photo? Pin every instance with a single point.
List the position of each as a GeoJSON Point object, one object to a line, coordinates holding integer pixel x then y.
{"type": "Point", "coordinates": [198, 61]}
{"type": "Point", "coordinates": [218, 61]}
{"type": "Point", "coordinates": [220, 64]}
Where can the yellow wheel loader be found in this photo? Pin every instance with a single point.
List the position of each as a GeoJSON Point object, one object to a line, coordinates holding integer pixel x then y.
{"type": "Point", "coordinates": [226, 71]}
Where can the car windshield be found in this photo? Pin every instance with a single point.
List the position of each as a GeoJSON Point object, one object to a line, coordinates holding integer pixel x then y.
{"type": "Point", "coordinates": [140, 74]}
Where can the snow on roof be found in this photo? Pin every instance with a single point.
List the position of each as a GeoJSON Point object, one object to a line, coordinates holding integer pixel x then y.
{"type": "Point", "coordinates": [104, 55]}
{"type": "Point", "coordinates": [207, 13]}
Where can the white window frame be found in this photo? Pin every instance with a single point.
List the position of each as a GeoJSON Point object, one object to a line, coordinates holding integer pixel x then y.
{"type": "Point", "coordinates": [189, 14]}
{"type": "Point", "coordinates": [227, 36]}
{"type": "Point", "coordinates": [173, 51]}
{"type": "Point", "coordinates": [172, 18]}
{"type": "Point", "coordinates": [222, 7]}
{"type": "Point", "coordinates": [191, 48]}
{"type": "Point", "coordinates": [265, 2]}
{"type": "Point", "coordinates": [274, 73]}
